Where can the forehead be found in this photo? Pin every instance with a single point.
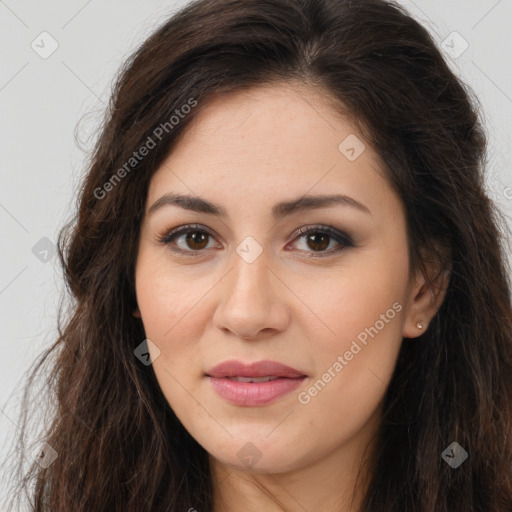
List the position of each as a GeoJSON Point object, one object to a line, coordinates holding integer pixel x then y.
{"type": "Point", "coordinates": [268, 143]}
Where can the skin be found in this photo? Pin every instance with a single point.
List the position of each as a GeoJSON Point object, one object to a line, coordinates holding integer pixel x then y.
{"type": "Point", "coordinates": [246, 152]}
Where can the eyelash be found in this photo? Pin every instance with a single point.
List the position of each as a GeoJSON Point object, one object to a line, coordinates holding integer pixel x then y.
{"type": "Point", "coordinates": [342, 238]}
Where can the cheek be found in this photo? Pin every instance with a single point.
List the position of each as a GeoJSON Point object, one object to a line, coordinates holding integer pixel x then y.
{"type": "Point", "coordinates": [167, 299]}
{"type": "Point", "coordinates": [361, 308]}
{"type": "Point", "coordinates": [351, 298]}
{"type": "Point", "coordinates": [171, 309]}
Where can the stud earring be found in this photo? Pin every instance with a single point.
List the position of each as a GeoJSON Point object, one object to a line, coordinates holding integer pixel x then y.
{"type": "Point", "coordinates": [419, 325]}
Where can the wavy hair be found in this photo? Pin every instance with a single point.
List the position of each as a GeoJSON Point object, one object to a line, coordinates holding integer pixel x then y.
{"type": "Point", "coordinates": [119, 444]}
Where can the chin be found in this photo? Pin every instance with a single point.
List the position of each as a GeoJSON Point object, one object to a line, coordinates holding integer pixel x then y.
{"type": "Point", "coordinates": [259, 455]}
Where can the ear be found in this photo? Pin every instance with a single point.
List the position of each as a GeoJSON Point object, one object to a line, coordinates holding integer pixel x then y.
{"type": "Point", "coordinates": [426, 294]}
{"type": "Point", "coordinates": [136, 313]}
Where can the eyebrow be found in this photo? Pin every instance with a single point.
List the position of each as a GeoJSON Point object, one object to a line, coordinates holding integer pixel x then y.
{"type": "Point", "coordinates": [279, 210]}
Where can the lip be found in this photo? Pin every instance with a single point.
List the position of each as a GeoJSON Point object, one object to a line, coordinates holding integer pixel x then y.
{"type": "Point", "coordinates": [253, 393]}
{"type": "Point", "coordinates": [234, 368]}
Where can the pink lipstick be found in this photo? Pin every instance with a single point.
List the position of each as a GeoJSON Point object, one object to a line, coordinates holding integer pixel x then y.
{"type": "Point", "coordinates": [254, 384]}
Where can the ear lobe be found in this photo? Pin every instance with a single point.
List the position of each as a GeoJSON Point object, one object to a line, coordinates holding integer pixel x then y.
{"type": "Point", "coordinates": [136, 313]}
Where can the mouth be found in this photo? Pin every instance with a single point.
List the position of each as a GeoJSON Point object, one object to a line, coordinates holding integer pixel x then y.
{"type": "Point", "coordinates": [254, 384]}
{"type": "Point", "coordinates": [254, 379]}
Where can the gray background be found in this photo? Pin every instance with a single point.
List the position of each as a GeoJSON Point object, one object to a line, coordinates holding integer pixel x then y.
{"type": "Point", "coordinates": [43, 97]}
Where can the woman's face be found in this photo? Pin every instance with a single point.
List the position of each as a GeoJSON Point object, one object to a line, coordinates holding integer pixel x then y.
{"type": "Point", "coordinates": [246, 285]}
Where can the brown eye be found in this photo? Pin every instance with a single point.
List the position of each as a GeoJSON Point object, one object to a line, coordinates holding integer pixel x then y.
{"type": "Point", "coordinates": [196, 240]}
{"type": "Point", "coordinates": [187, 239]}
{"type": "Point", "coordinates": [318, 241]}
{"type": "Point", "coordinates": [191, 240]}
{"type": "Point", "coordinates": [318, 238]}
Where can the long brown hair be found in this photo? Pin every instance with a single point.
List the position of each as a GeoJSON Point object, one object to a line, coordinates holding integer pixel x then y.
{"type": "Point", "coordinates": [119, 444]}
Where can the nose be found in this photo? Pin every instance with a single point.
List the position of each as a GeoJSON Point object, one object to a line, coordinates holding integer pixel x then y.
{"type": "Point", "coordinates": [252, 303]}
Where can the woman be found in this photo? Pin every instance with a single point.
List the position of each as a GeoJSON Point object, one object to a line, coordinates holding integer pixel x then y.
{"type": "Point", "coordinates": [289, 284]}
